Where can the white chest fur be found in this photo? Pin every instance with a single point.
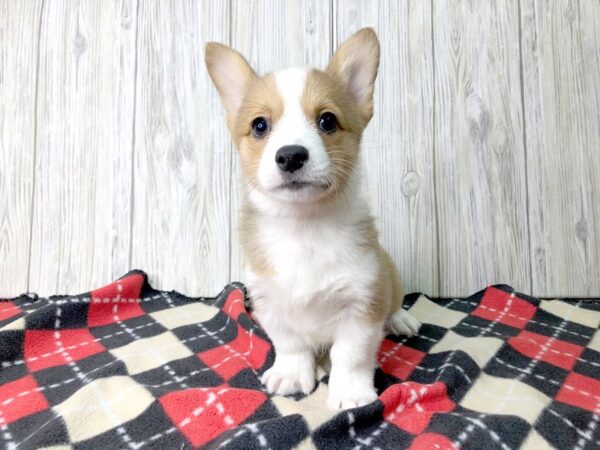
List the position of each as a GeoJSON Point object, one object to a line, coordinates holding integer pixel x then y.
{"type": "Point", "coordinates": [324, 270]}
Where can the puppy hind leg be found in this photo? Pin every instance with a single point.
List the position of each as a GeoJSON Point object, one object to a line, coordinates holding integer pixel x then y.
{"type": "Point", "coordinates": [399, 321]}
{"type": "Point", "coordinates": [402, 322]}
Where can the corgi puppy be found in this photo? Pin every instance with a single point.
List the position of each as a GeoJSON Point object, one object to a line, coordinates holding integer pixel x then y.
{"type": "Point", "coordinates": [316, 274]}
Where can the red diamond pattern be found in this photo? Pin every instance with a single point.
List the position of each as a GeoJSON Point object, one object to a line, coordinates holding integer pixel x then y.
{"type": "Point", "coordinates": [410, 406]}
{"type": "Point", "coordinates": [42, 347]}
{"type": "Point", "coordinates": [553, 351]}
{"type": "Point", "coordinates": [397, 359]}
{"type": "Point", "coordinates": [21, 398]}
{"type": "Point", "coordinates": [500, 306]}
{"type": "Point", "coordinates": [116, 302]}
{"type": "Point", "coordinates": [581, 391]}
{"type": "Point", "coordinates": [203, 414]}
{"type": "Point", "coordinates": [234, 305]}
{"type": "Point", "coordinates": [247, 350]}
{"type": "Point", "coordinates": [8, 310]}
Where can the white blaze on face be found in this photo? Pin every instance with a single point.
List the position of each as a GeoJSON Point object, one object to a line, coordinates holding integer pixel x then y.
{"type": "Point", "coordinates": [293, 128]}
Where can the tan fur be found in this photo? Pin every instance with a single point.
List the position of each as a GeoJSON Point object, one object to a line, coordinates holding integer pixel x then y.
{"type": "Point", "coordinates": [246, 96]}
{"type": "Point", "coordinates": [231, 75]}
{"type": "Point", "coordinates": [397, 288]}
{"type": "Point", "coordinates": [261, 100]}
{"type": "Point", "coordinates": [254, 253]}
{"type": "Point", "coordinates": [323, 93]}
{"type": "Point", "coordinates": [388, 293]}
{"type": "Point", "coordinates": [363, 45]}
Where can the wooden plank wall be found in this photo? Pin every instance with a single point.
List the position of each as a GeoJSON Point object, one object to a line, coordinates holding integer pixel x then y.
{"type": "Point", "coordinates": [482, 162]}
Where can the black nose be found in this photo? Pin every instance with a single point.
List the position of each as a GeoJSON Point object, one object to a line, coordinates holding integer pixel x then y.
{"type": "Point", "coordinates": [290, 158]}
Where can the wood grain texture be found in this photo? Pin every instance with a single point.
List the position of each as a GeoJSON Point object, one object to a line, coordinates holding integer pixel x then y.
{"type": "Point", "coordinates": [81, 214]}
{"type": "Point", "coordinates": [19, 35]}
{"type": "Point", "coordinates": [482, 161]}
{"type": "Point", "coordinates": [182, 159]}
{"type": "Point", "coordinates": [272, 35]}
{"type": "Point", "coordinates": [398, 143]}
{"type": "Point", "coordinates": [479, 149]}
{"type": "Point", "coordinates": [561, 68]}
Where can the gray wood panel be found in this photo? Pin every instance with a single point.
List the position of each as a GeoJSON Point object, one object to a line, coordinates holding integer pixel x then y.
{"type": "Point", "coordinates": [561, 73]}
{"type": "Point", "coordinates": [482, 162]}
{"type": "Point", "coordinates": [81, 214]}
{"type": "Point", "coordinates": [19, 28]}
{"type": "Point", "coordinates": [181, 227]}
{"type": "Point", "coordinates": [479, 150]}
{"type": "Point", "coordinates": [398, 143]}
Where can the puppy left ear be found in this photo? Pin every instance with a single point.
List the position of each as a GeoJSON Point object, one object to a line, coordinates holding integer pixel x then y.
{"type": "Point", "coordinates": [355, 64]}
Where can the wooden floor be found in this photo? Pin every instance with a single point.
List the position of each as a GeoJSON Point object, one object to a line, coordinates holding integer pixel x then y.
{"type": "Point", "coordinates": [482, 161]}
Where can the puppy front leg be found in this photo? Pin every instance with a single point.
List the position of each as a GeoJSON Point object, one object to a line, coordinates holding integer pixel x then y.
{"type": "Point", "coordinates": [294, 367]}
{"type": "Point", "coordinates": [353, 360]}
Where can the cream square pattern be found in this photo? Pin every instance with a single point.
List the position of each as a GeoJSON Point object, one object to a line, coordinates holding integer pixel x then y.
{"type": "Point", "coordinates": [535, 441]}
{"type": "Point", "coordinates": [106, 402]}
{"type": "Point", "coordinates": [582, 316]}
{"type": "Point", "coordinates": [18, 324]}
{"type": "Point", "coordinates": [481, 349]}
{"type": "Point", "coordinates": [149, 353]}
{"type": "Point", "coordinates": [425, 311]}
{"type": "Point", "coordinates": [494, 395]}
{"type": "Point", "coordinates": [189, 314]}
{"type": "Point", "coordinates": [595, 342]}
{"type": "Point", "coordinates": [312, 407]}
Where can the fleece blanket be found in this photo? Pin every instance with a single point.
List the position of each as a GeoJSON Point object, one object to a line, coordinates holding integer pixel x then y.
{"type": "Point", "coordinates": [130, 367]}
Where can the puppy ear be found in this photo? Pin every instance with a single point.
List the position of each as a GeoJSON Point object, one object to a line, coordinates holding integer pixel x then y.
{"type": "Point", "coordinates": [355, 64]}
{"type": "Point", "coordinates": [230, 73]}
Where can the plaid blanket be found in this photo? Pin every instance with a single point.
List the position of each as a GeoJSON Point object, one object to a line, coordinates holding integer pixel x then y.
{"type": "Point", "coordinates": [126, 366]}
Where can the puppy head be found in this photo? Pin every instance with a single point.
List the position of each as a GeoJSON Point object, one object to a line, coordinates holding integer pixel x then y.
{"type": "Point", "coordinates": [298, 130]}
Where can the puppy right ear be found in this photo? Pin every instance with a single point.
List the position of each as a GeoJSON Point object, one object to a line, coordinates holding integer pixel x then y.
{"type": "Point", "coordinates": [230, 73]}
{"type": "Point", "coordinates": [355, 64]}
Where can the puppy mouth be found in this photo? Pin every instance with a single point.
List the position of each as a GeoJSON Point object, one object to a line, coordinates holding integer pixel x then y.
{"type": "Point", "coordinates": [299, 185]}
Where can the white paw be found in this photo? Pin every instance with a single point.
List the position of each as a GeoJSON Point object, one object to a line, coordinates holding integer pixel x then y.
{"type": "Point", "coordinates": [350, 390]}
{"type": "Point", "coordinates": [402, 322]}
{"type": "Point", "coordinates": [284, 379]}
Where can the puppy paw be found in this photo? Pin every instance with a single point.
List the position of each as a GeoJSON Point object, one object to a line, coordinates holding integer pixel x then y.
{"type": "Point", "coordinates": [285, 379]}
{"type": "Point", "coordinates": [402, 322]}
{"type": "Point", "coordinates": [350, 391]}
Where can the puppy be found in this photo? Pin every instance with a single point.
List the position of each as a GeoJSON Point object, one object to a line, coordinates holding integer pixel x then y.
{"type": "Point", "coordinates": [316, 274]}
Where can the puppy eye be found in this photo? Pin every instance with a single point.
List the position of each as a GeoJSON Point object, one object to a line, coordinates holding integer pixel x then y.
{"type": "Point", "coordinates": [260, 127]}
{"type": "Point", "coordinates": [328, 122]}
